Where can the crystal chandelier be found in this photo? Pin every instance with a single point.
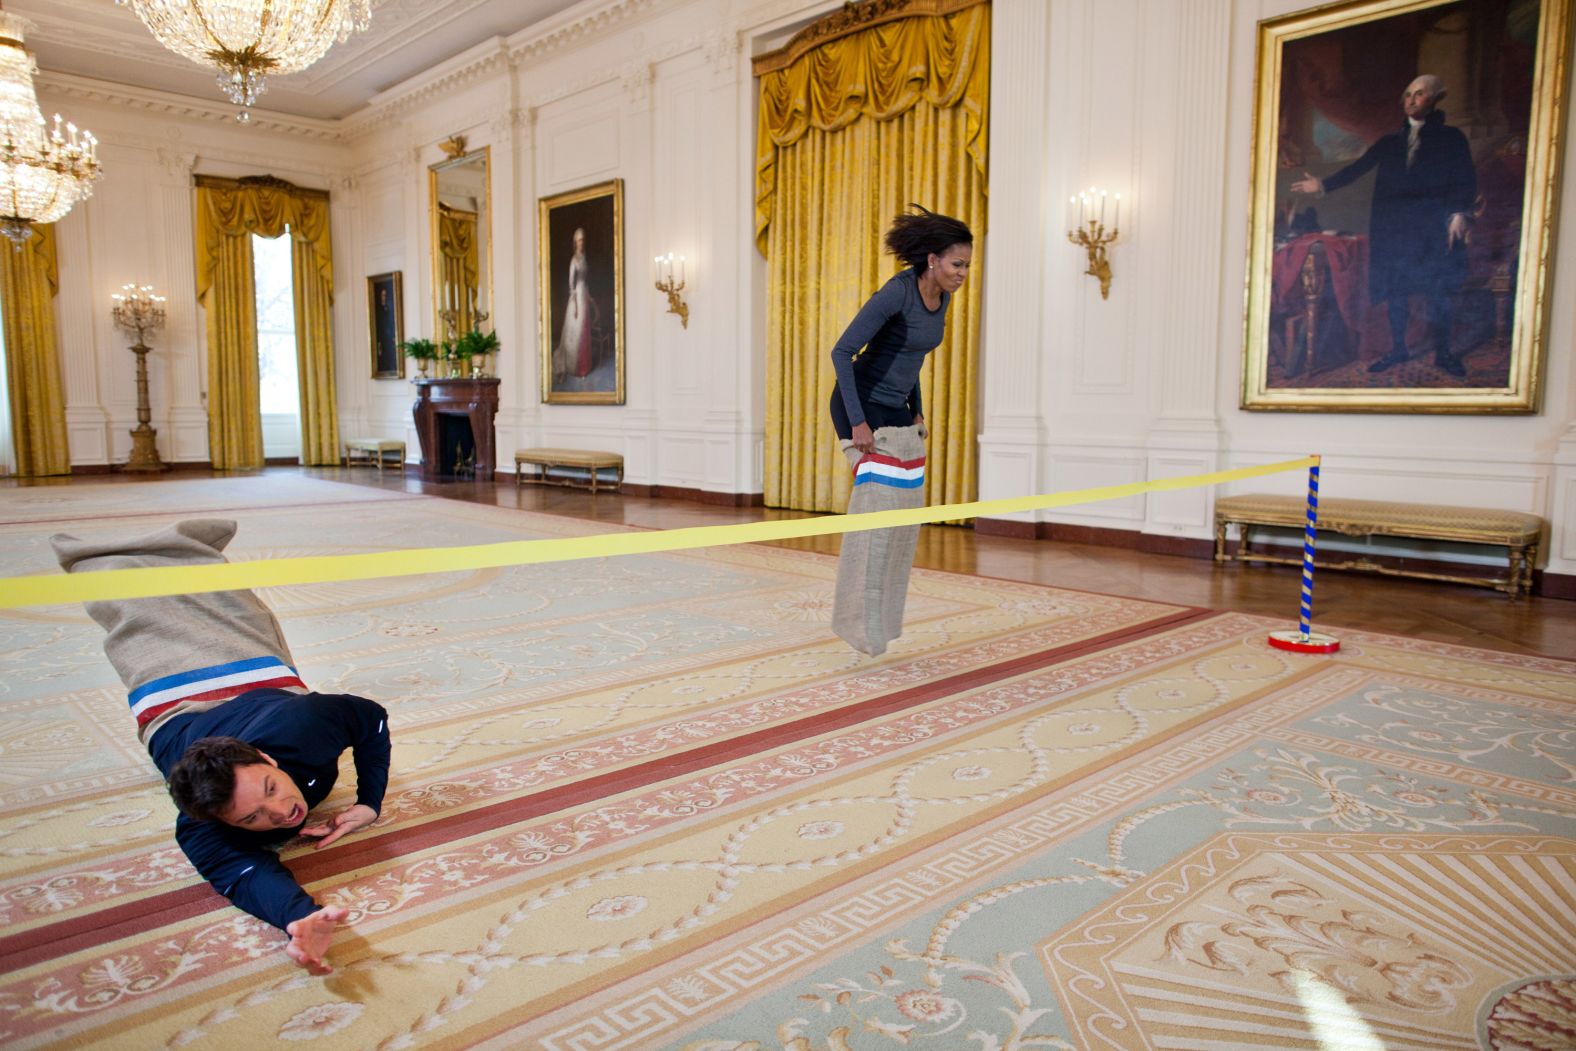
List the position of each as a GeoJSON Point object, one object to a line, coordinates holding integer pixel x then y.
{"type": "Point", "coordinates": [245, 40]}
{"type": "Point", "coordinates": [42, 172]}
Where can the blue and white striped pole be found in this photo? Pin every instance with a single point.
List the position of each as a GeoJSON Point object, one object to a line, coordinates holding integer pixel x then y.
{"type": "Point", "coordinates": [1304, 640]}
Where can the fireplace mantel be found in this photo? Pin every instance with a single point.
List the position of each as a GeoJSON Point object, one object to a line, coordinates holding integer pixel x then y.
{"type": "Point", "coordinates": [476, 398]}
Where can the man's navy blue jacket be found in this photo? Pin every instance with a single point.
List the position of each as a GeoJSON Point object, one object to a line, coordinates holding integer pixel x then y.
{"type": "Point", "coordinates": [304, 734]}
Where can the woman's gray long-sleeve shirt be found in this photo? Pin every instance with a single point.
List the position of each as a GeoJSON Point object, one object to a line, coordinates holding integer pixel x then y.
{"type": "Point", "coordinates": [897, 331]}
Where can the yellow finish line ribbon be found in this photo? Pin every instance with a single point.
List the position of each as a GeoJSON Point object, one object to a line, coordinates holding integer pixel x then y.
{"type": "Point", "coordinates": [56, 588]}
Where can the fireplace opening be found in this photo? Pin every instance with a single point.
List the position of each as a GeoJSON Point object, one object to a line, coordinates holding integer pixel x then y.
{"type": "Point", "coordinates": [456, 447]}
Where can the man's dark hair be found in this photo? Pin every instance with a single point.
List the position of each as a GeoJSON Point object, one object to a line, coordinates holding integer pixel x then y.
{"type": "Point", "coordinates": [203, 781]}
{"type": "Point", "coordinates": [914, 236]}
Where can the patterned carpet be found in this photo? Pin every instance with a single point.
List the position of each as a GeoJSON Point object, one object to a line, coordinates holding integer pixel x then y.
{"type": "Point", "coordinates": [651, 802]}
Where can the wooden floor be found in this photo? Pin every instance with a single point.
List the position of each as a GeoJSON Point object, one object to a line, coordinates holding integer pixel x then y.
{"type": "Point", "coordinates": [1441, 612]}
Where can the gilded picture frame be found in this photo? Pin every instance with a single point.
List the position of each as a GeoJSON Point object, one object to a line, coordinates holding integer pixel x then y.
{"type": "Point", "coordinates": [580, 255]}
{"type": "Point", "coordinates": [1395, 270]}
{"type": "Point", "coordinates": [386, 325]}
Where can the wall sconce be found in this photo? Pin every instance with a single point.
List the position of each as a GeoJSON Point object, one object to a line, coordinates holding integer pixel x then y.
{"type": "Point", "coordinates": [666, 282]}
{"type": "Point", "coordinates": [1091, 232]}
{"type": "Point", "coordinates": [137, 309]}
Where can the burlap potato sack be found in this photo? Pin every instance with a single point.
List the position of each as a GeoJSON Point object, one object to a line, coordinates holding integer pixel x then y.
{"type": "Point", "coordinates": [873, 569]}
{"type": "Point", "coordinates": [181, 652]}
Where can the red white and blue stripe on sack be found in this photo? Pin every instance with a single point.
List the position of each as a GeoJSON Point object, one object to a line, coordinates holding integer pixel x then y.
{"type": "Point", "coordinates": [888, 470]}
{"type": "Point", "coordinates": [219, 682]}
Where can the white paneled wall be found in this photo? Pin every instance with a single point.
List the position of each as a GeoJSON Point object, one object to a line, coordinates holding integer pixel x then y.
{"type": "Point", "coordinates": [1147, 97]}
{"type": "Point", "coordinates": [137, 228]}
{"type": "Point", "coordinates": [1156, 99]}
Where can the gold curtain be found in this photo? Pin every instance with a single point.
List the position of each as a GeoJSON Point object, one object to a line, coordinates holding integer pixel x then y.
{"type": "Point", "coordinates": [459, 265]}
{"type": "Point", "coordinates": [29, 280]}
{"type": "Point", "coordinates": [229, 212]}
{"type": "Point", "coordinates": [851, 130]}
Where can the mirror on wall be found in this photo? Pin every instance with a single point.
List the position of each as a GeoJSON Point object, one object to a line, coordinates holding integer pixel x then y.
{"type": "Point", "coordinates": [461, 210]}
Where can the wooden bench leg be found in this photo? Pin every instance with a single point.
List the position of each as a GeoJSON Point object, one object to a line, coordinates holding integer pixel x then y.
{"type": "Point", "coordinates": [1220, 540]}
{"type": "Point", "coordinates": [1522, 559]}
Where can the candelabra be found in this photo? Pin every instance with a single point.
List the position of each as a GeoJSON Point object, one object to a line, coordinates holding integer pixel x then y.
{"type": "Point", "coordinates": [672, 286]}
{"type": "Point", "coordinates": [451, 325]}
{"type": "Point", "coordinates": [138, 310]}
{"type": "Point", "coordinates": [1091, 233]}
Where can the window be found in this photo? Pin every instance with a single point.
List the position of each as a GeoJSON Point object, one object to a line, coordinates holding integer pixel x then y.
{"type": "Point", "coordinates": [276, 345]}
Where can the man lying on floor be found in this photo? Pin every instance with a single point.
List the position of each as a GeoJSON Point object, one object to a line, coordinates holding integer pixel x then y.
{"type": "Point", "coordinates": [247, 750]}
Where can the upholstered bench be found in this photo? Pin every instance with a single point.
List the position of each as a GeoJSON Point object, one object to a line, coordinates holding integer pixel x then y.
{"type": "Point", "coordinates": [373, 451]}
{"type": "Point", "coordinates": [544, 460]}
{"type": "Point", "coordinates": [1516, 531]}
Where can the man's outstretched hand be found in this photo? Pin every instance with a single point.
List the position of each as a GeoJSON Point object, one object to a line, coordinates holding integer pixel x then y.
{"type": "Point", "coordinates": [310, 937]}
{"type": "Point", "coordinates": [347, 820]}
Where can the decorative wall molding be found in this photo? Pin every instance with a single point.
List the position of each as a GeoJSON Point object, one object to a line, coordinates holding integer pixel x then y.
{"type": "Point", "coordinates": [491, 57]}
{"type": "Point", "coordinates": [216, 159]}
{"type": "Point", "coordinates": [463, 70]}
{"type": "Point", "coordinates": [502, 127]}
{"type": "Point", "coordinates": [636, 79]}
{"type": "Point", "coordinates": [649, 60]}
{"type": "Point", "coordinates": [167, 102]}
{"type": "Point", "coordinates": [532, 43]}
{"type": "Point", "coordinates": [395, 22]}
{"type": "Point", "coordinates": [178, 165]}
{"type": "Point", "coordinates": [575, 25]}
{"type": "Point", "coordinates": [722, 49]}
{"type": "Point", "coordinates": [77, 26]}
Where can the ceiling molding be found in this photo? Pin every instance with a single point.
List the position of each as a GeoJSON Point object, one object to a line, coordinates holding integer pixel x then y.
{"type": "Point", "coordinates": [723, 47]}
{"type": "Point", "coordinates": [408, 17]}
{"type": "Point", "coordinates": [462, 70]}
{"type": "Point", "coordinates": [113, 39]}
{"type": "Point", "coordinates": [149, 101]}
{"type": "Point", "coordinates": [545, 38]}
{"type": "Point", "coordinates": [579, 21]}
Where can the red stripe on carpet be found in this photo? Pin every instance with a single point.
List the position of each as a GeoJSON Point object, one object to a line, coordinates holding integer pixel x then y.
{"type": "Point", "coordinates": [496, 815]}
{"type": "Point", "coordinates": [105, 925]}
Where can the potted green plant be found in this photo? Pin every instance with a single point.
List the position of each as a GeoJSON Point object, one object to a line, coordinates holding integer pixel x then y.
{"type": "Point", "coordinates": [476, 344]}
{"type": "Point", "coordinates": [421, 351]}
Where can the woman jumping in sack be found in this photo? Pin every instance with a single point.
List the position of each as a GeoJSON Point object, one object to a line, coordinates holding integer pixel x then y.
{"type": "Point", "coordinates": [878, 417]}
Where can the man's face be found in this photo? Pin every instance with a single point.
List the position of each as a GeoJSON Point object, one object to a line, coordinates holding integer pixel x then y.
{"type": "Point", "coordinates": [265, 799]}
{"type": "Point", "coordinates": [1418, 100]}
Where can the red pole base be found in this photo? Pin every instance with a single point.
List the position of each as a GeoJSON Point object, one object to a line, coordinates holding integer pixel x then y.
{"type": "Point", "coordinates": [1297, 642]}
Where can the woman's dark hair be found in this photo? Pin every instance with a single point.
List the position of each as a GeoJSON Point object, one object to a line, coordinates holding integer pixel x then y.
{"type": "Point", "coordinates": [914, 236]}
{"type": "Point", "coordinates": [203, 781]}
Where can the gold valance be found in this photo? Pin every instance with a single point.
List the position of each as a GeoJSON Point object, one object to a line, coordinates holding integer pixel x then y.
{"type": "Point", "coordinates": [262, 205]}
{"type": "Point", "coordinates": [877, 60]}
